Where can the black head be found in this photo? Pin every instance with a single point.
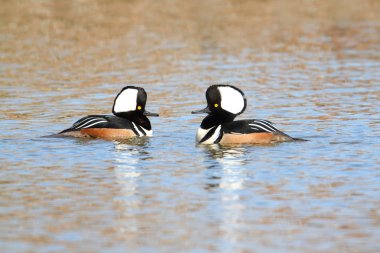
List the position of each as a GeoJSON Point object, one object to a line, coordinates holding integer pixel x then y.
{"type": "Point", "coordinates": [224, 100]}
{"type": "Point", "coordinates": [130, 103]}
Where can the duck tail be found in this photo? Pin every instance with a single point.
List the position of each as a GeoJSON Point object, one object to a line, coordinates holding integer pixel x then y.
{"type": "Point", "coordinates": [299, 139]}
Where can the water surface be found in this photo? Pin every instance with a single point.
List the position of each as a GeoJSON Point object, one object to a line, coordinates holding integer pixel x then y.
{"type": "Point", "coordinates": [310, 67]}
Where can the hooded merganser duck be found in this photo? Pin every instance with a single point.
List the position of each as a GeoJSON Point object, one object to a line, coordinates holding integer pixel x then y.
{"type": "Point", "coordinates": [224, 103]}
{"type": "Point", "coordinates": [130, 118]}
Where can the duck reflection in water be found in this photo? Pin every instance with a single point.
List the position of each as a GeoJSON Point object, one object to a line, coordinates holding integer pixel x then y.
{"type": "Point", "coordinates": [227, 176]}
{"type": "Point", "coordinates": [226, 166]}
{"type": "Point", "coordinates": [128, 155]}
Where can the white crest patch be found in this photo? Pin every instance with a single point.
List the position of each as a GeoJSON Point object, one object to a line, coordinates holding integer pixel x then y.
{"type": "Point", "coordinates": [126, 101]}
{"type": "Point", "coordinates": [232, 99]}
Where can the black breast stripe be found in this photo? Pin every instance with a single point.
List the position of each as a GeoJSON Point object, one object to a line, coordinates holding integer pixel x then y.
{"type": "Point", "coordinates": [138, 130]}
{"type": "Point", "coordinates": [133, 128]}
{"type": "Point", "coordinates": [219, 137]}
{"type": "Point", "coordinates": [210, 133]}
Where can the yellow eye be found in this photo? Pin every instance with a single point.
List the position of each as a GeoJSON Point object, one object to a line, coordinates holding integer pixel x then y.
{"type": "Point", "coordinates": [216, 105]}
{"type": "Point", "coordinates": [139, 107]}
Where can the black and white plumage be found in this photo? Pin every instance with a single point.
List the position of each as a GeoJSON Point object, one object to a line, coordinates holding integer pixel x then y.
{"type": "Point", "coordinates": [108, 121]}
{"type": "Point", "coordinates": [129, 119]}
{"type": "Point", "coordinates": [89, 121]}
{"type": "Point", "coordinates": [240, 127]}
{"type": "Point", "coordinates": [224, 103]}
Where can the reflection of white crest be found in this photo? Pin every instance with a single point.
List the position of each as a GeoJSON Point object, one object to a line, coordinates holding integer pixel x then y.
{"type": "Point", "coordinates": [232, 99]}
{"type": "Point", "coordinates": [126, 101]}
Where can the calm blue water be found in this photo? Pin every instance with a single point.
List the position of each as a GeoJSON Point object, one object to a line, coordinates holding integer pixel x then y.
{"type": "Point", "coordinates": [166, 194]}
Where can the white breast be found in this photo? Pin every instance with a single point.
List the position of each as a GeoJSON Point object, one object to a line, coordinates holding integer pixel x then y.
{"type": "Point", "coordinates": [148, 132]}
{"type": "Point", "coordinates": [202, 133]}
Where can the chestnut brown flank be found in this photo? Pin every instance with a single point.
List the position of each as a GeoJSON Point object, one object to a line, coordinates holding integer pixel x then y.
{"type": "Point", "coordinates": [254, 138]}
{"type": "Point", "coordinates": [108, 133]}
